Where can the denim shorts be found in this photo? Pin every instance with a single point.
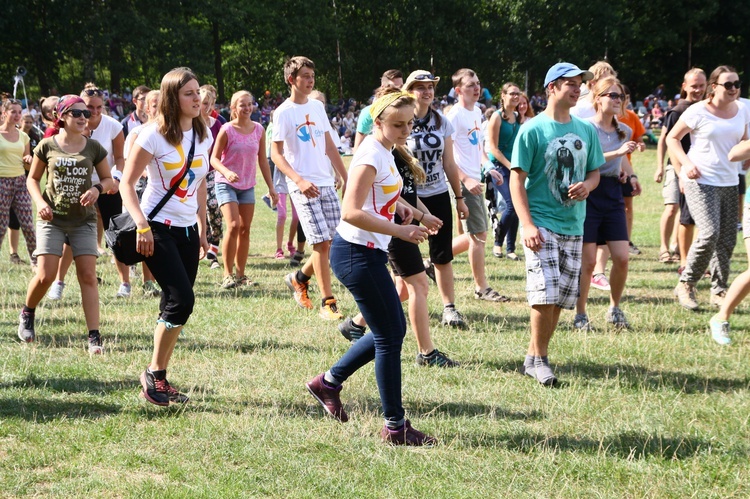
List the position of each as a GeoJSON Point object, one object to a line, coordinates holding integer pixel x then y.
{"type": "Point", "coordinates": [225, 193]}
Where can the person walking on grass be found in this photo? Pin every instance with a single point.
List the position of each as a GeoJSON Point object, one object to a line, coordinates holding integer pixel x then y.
{"type": "Point", "coordinates": [174, 149]}
{"type": "Point", "coordinates": [214, 224]}
{"type": "Point", "coordinates": [605, 207]}
{"type": "Point", "coordinates": [240, 148]}
{"type": "Point", "coordinates": [302, 140]}
{"type": "Point", "coordinates": [359, 261]}
{"type": "Point", "coordinates": [719, 323]}
{"type": "Point", "coordinates": [66, 212]}
{"type": "Point", "coordinates": [468, 153]}
{"type": "Point", "coordinates": [710, 178]}
{"type": "Point", "coordinates": [555, 165]}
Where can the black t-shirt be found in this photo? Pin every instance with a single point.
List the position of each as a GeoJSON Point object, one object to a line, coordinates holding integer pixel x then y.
{"type": "Point", "coordinates": [409, 190]}
{"type": "Point", "coordinates": [673, 115]}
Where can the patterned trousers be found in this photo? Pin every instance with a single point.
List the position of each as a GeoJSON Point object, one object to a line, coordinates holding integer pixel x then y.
{"type": "Point", "coordinates": [213, 213]}
{"type": "Point", "coordinates": [714, 210]}
{"type": "Point", "coordinates": [13, 194]}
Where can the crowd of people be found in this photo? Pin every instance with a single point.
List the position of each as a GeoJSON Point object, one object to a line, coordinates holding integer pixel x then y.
{"type": "Point", "coordinates": [447, 171]}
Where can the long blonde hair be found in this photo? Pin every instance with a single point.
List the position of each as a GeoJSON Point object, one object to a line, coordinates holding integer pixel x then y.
{"type": "Point", "coordinates": [168, 121]}
{"type": "Point", "coordinates": [235, 100]}
{"type": "Point", "coordinates": [601, 87]}
{"type": "Point", "coordinates": [403, 152]}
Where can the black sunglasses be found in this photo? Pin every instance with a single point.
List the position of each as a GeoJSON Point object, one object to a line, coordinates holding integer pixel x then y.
{"type": "Point", "coordinates": [93, 91]}
{"type": "Point", "coordinates": [613, 95]}
{"type": "Point", "coordinates": [428, 76]}
{"type": "Point", "coordinates": [729, 85]}
{"type": "Point", "coordinates": [76, 113]}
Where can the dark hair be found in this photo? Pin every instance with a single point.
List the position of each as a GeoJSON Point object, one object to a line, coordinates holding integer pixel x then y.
{"type": "Point", "coordinates": [293, 65]}
{"type": "Point", "coordinates": [714, 78]}
{"type": "Point", "coordinates": [502, 104]}
{"type": "Point", "coordinates": [458, 76]}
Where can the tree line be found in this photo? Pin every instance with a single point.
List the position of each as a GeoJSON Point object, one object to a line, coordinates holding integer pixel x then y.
{"type": "Point", "coordinates": [241, 44]}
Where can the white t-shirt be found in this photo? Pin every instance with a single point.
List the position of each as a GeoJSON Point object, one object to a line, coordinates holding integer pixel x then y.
{"type": "Point", "coordinates": [381, 202]}
{"type": "Point", "coordinates": [167, 166]}
{"type": "Point", "coordinates": [105, 133]}
{"type": "Point", "coordinates": [303, 128]}
{"type": "Point", "coordinates": [711, 140]}
{"type": "Point", "coordinates": [467, 139]}
{"type": "Point", "coordinates": [427, 143]}
{"type": "Point", "coordinates": [583, 109]}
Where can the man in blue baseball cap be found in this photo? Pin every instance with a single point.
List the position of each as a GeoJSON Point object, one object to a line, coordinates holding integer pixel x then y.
{"type": "Point", "coordinates": [555, 164]}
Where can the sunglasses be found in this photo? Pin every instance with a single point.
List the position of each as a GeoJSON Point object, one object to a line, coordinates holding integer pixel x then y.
{"type": "Point", "coordinates": [514, 94]}
{"type": "Point", "coordinates": [614, 96]}
{"type": "Point", "coordinates": [428, 76]}
{"type": "Point", "coordinates": [77, 113]}
{"type": "Point", "coordinates": [93, 91]}
{"type": "Point", "coordinates": [729, 85]}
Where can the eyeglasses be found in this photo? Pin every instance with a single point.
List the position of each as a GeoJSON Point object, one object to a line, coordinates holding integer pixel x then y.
{"type": "Point", "coordinates": [514, 94]}
{"type": "Point", "coordinates": [729, 85]}
{"type": "Point", "coordinates": [428, 76]}
{"type": "Point", "coordinates": [77, 113]}
{"type": "Point", "coordinates": [93, 91]}
{"type": "Point", "coordinates": [613, 96]}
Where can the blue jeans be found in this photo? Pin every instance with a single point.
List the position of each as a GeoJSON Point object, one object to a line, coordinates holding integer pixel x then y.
{"type": "Point", "coordinates": [509, 220]}
{"type": "Point", "coordinates": [364, 272]}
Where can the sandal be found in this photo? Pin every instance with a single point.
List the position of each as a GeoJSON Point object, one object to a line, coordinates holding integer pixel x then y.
{"type": "Point", "coordinates": [665, 257]}
{"type": "Point", "coordinates": [490, 294]}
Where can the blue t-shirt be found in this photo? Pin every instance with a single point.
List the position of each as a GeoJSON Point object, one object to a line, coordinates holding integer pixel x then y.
{"type": "Point", "coordinates": [555, 156]}
{"type": "Point", "coordinates": [508, 134]}
{"type": "Point", "coordinates": [365, 121]}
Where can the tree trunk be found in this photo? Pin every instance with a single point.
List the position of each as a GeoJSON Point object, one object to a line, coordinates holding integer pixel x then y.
{"type": "Point", "coordinates": [217, 62]}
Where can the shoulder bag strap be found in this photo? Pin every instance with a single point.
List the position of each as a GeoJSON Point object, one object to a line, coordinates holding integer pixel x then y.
{"type": "Point", "coordinates": [176, 185]}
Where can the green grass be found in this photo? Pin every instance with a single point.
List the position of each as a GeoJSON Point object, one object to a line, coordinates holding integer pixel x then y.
{"type": "Point", "coordinates": [658, 411]}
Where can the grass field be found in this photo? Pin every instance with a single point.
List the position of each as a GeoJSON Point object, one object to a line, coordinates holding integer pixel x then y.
{"type": "Point", "coordinates": [657, 411]}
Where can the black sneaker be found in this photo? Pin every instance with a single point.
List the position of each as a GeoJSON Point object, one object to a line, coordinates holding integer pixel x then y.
{"type": "Point", "coordinates": [429, 269]}
{"type": "Point", "coordinates": [296, 259]}
{"type": "Point", "coordinates": [154, 390]}
{"type": "Point", "coordinates": [26, 327]}
{"type": "Point", "coordinates": [95, 345]}
{"type": "Point", "coordinates": [436, 358]}
{"type": "Point", "coordinates": [175, 396]}
{"type": "Point", "coordinates": [350, 330]}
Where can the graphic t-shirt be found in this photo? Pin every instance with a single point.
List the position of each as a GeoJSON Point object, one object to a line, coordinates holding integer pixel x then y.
{"type": "Point", "coordinates": [610, 141]}
{"type": "Point", "coordinates": [167, 167]}
{"type": "Point", "coordinates": [303, 128]}
{"type": "Point", "coordinates": [556, 156]}
{"type": "Point", "coordinates": [467, 139]}
{"type": "Point", "coordinates": [381, 202]}
{"type": "Point", "coordinates": [11, 156]}
{"type": "Point", "coordinates": [240, 155]}
{"type": "Point", "coordinates": [712, 138]}
{"type": "Point", "coordinates": [427, 143]}
{"type": "Point", "coordinates": [68, 177]}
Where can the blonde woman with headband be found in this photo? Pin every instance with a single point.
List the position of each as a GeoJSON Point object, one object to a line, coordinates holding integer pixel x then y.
{"type": "Point", "coordinates": [240, 148]}
{"type": "Point", "coordinates": [359, 260]}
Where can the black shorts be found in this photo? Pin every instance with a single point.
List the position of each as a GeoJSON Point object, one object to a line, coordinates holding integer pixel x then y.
{"type": "Point", "coordinates": [627, 189]}
{"type": "Point", "coordinates": [405, 258]}
{"type": "Point", "coordinates": [685, 218]}
{"type": "Point", "coordinates": [741, 185]}
{"type": "Point", "coordinates": [109, 206]}
{"type": "Point", "coordinates": [441, 244]}
{"type": "Point", "coordinates": [605, 213]}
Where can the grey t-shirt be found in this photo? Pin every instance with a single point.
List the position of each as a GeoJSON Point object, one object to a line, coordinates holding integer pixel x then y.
{"type": "Point", "coordinates": [611, 142]}
{"type": "Point", "coordinates": [427, 143]}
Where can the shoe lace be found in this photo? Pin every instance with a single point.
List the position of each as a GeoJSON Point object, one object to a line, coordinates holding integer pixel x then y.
{"type": "Point", "coordinates": [162, 385]}
{"type": "Point", "coordinates": [28, 321]}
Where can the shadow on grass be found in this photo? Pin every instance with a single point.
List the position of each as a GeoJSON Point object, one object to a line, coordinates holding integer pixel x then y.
{"type": "Point", "coordinates": [640, 377]}
{"type": "Point", "coordinates": [266, 345]}
{"type": "Point", "coordinates": [627, 445]}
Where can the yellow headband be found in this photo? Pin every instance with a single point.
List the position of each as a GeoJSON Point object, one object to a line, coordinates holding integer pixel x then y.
{"type": "Point", "coordinates": [383, 102]}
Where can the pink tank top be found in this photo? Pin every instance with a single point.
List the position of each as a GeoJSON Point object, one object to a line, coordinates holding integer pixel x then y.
{"type": "Point", "coordinates": [240, 155]}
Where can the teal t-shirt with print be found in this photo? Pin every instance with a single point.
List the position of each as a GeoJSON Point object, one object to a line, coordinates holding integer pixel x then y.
{"type": "Point", "coordinates": [555, 156]}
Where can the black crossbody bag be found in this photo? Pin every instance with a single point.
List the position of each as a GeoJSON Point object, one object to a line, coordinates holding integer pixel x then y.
{"type": "Point", "coordinates": [121, 234]}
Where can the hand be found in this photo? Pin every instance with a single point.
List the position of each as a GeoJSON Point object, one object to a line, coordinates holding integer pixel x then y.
{"type": "Point", "coordinates": [496, 176]}
{"type": "Point", "coordinates": [473, 186]}
{"type": "Point", "coordinates": [203, 251]}
{"type": "Point", "coordinates": [144, 243]}
{"type": "Point", "coordinates": [641, 146]}
{"type": "Point", "coordinates": [338, 182]}
{"type": "Point", "coordinates": [462, 209]}
{"type": "Point", "coordinates": [681, 184]}
{"type": "Point", "coordinates": [274, 197]}
{"type": "Point", "coordinates": [627, 148]}
{"type": "Point", "coordinates": [28, 159]}
{"type": "Point", "coordinates": [232, 177]}
{"type": "Point", "coordinates": [309, 189]}
{"type": "Point", "coordinates": [412, 233]}
{"type": "Point", "coordinates": [658, 175]}
{"type": "Point", "coordinates": [115, 187]}
{"type": "Point", "coordinates": [405, 213]}
{"type": "Point", "coordinates": [44, 212]}
{"type": "Point", "coordinates": [89, 197]}
{"type": "Point", "coordinates": [532, 238]}
{"type": "Point", "coordinates": [431, 223]}
{"type": "Point", "coordinates": [578, 191]}
{"type": "Point", "coordinates": [636, 186]}
{"type": "Point", "coordinates": [622, 177]}
{"type": "Point", "coordinates": [691, 172]}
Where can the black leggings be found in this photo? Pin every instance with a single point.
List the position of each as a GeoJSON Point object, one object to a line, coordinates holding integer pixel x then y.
{"type": "Point", "coordinates": [175, 265]}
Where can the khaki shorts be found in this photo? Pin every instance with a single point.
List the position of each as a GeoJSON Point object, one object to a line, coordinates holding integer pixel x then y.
{"type": "Point", "coordinates": [50, 239]}
{"type": "Point", "coordinates": [476, 222]}
{"type": "Point", "coordinates": [670, 191]}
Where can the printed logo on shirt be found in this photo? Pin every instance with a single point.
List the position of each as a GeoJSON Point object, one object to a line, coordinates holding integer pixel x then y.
{"type": "Point", "coordinates": [474, 134]}
{"type": "Point", "coordinates": [182, 191]}
{"type": "Point", "coordinates": [389, 207]}
{"type": "Point", "coordinates": [565, 165]}
{"type": "Point", "coordinates": [370, 244]}
{"type": "Point", "coordinates": [305, 131]}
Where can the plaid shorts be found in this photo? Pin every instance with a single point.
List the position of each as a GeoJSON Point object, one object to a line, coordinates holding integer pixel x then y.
{"type": "Point", "coordinates": [318, 216]}
{"type": "Point", "coordinates": [553, 273]}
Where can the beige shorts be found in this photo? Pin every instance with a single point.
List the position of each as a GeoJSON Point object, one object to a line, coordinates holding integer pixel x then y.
{"type": "Point", "coordinates": [476, 222]}
{"type": "Point", "coordinates": [50, 239]}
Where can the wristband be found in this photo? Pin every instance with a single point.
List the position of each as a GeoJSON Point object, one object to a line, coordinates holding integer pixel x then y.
{"type": "Point", "coordinates": [116, 175]}
{"type": "Point", "coordinates": [420, 220]}
{"type": "Point", "coordinates": [459, 197]}
{"type": "Point", "coordinates": [144, 230]}
{"type": "Point", "coordinates": [98, 187]}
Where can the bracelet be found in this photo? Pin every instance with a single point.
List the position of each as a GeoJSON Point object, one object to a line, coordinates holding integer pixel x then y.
{"type": "Point", "coordinates": [144, 230]}
{"type": "Point", "coordinates": [98, 187]}
{"type": "Point", "coordinates": [420, 220]}
{"type": "Point", "coordinates": [634, 176]}
{"type": "Point", "coordinates": [459, 197]}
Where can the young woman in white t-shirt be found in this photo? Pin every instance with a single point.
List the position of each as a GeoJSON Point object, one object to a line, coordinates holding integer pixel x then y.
{"type": "Point", "coordinates": [710, 180]}
{"type": "Point", "coordinates": [359, 260]}
{"type": "Point", "coordinates": [175, 240]}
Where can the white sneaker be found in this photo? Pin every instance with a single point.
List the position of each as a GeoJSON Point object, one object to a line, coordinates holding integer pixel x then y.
{"type": "Point", "coordinates": [56, 290]}
{"type": "Point", "coordinates": [124, 291]}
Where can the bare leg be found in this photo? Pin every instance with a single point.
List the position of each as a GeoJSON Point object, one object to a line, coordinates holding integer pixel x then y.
{"type": "Point", "coordinates": [543, 323]}
{"type": "Point", "coordinates": [445, 282]}
{"type": "Point", "coordinates": [13, 239]}
{"type": "Point", "coordinates": [42, 280]}
{"type": "Point", "coordinates": [86, 271]}
{"type": "Point", "coordinates": [619, 274]}
{"type": "Point", "coordinates": [322, 267]}
{"type": "Point", "coordinates": [602, 255]}
{"type": "Point", "coordinates": [666, 225]}
{"type": "Point", "coordinates": [461, 244]}
{"type": "Point", "coordinates": [629, 215]}
{"type": "Point", "coordinates": [230, 213]}
{"type": "Point", "coordinates": [684, 241]}
{"type": "Point", "coordinates": [164, 343]}
{"type": "Point", "coordinates": [246, 212]}
{"type": "Point", "coordinates": [588, 262]}
{"type": "Point", "coordinates": [419, 316]}
{"type": "Point", "coordinates": [65, 262]}
{"type": "Point", "coordinates": [737, 291]}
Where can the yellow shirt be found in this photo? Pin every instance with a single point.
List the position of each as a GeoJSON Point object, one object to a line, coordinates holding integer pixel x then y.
{"type": "Point", "coordinates": [11, 156]}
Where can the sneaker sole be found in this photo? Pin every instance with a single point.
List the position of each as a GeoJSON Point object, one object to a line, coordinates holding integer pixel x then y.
{"type": "Point", "coordinates": [322, 404]}
{"type": "Point", "coordinates": [30, 340]}
{"type": "Point", "coordinates": [288, 282]}
{"type": "Point", "coordinates": [96, 350]}
{"type": "Point", "coordinates": [144, 393]}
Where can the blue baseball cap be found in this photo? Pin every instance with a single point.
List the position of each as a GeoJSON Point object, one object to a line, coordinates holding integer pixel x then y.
{"type": "Point", "coordinates": [566, 70]}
